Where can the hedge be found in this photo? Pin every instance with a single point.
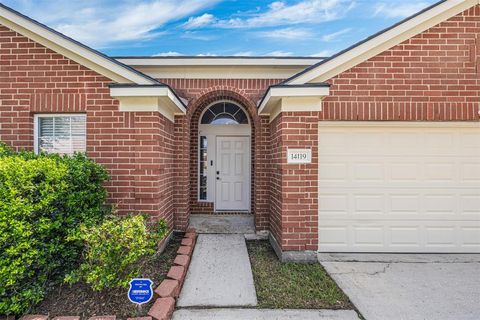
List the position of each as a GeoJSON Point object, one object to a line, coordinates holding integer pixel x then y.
{"type": "Point", "coordinates": [44, 199]}
{"type": "Point", "coordinates": [113, 250]}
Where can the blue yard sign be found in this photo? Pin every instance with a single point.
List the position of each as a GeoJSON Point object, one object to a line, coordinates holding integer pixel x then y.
{"type": "Point", "coordinates": [140, 291]}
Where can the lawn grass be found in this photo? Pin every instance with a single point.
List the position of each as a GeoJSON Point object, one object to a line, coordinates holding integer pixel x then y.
{"type": "Point", "coordinates": [292, 285]}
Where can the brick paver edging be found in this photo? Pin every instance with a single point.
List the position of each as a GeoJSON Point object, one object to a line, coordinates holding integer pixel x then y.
{"type": "Point", "coordinates": [167, 292]}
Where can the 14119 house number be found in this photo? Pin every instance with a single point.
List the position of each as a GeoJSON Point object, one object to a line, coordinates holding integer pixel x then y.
{"type": "Point", "coordinates": [299, 156]}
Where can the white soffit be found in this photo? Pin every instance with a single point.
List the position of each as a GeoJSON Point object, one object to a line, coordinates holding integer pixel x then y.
{"type": "Point", "coordinates": [275, 94]}
{"type": "Point", "coordinates": [382, 41]}
{"type": "Point", "coordinates": [70, 48]}
{"type": "Point", "coordinates": [220, 67]}
{"type": "Point", "coordinates": [148, 98]}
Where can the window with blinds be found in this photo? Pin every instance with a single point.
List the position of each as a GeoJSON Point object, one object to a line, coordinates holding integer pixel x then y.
{"type": "Point", "coordinates": [63, 134]}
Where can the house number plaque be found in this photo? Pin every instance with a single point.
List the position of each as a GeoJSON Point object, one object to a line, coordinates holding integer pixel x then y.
{"type": "Point", "coordinates": [299, 156]}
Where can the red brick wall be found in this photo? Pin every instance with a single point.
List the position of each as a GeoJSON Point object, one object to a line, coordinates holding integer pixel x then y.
{"type": "Point", "coordinates": [200, 93]}
{"type": "Point", "coordinates": [432, 76]}
{"type": "Point", "coordinates": [294, 187]}
{"type": "Point", "coordinates": [276, 182]}
{"type": "Point", "coordinates": [136, 148]}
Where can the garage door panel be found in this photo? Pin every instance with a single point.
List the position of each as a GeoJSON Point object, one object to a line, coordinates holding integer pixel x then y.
{"type": "Point", "coordinates": [403, 172]}
{"type": "Point", "coordinates": [440, 236]}
{"type": "Point", "coordinates": [434, 204]}
{"type": "Point", "coordinates": [368, 171]}
{"type": "Point", "coordinates": [368, 204]}
{"type": "Point", "coordinates": [404, 203]}
{"type": "Point", "coordinates": [440, 172]}
{"type": "Point", "coordinates": [405, 236]}
{"type": "Point", "coordinates": [469, 140]}
{"type": "Point", "coordinates": [333, 172]}
{"type": "Point", "coordinates": [470, 205]}
{"type": "Point", "coordinates": [369, 236]}
{"type": "Point", "coordinates": [399, 236]}
{"type": "Point", "coordinates": [470, 236]}
{"type": "Point", "coordinates": [336, 204]}
{"type": "Point", "coordinates": [471, 172]}
{"type": "Point", "coordinates": [409, 189]}
{"type": "Point", "coordinates": [397, 171]}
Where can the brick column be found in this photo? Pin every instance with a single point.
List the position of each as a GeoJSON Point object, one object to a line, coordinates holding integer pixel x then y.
{"type": "Point", "coordinates": [181, 176]}
{"type": "Point", "coordinates": [294, 187]}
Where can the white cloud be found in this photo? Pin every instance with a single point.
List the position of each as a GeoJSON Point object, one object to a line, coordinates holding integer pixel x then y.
{"type": "Point", "coordinates": [335, 35]}
{"type": "Point", "coordinates": [280, 13]}
{"type": "Point", "coordinates": [168, 54]}
{"type": "Point", "coordinates": [287, 33]}
{"type": "Point", "coordinates": [323, 53]}
{"type": "Point", "coordinates": [200, 21]}
{"type": "Point", "coordinates": [179, 54]}
{"type": "Point", "coordinates": [207, 54]}
{"type": "Point", "coordinates": [278, 53]}
{"type": "Point", "coordinates": [244, 54]}
{"type": "Point", "coordinates": [198, 36]}
{"type": "Point", "coordinates": [399, 9]}
{"type": "Point", "coordinates": [103, 23]}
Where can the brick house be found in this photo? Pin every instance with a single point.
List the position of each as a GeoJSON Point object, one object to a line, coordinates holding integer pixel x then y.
{"type": "Point", "coordinates": [376, 149]}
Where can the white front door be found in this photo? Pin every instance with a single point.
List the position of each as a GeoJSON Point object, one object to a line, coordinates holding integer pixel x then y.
{"type": "Point", "coordinates": [233, 174]}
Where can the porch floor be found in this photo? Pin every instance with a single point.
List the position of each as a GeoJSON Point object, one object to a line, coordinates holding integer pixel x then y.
{"type": "Point", "coordinates": [223, 224]}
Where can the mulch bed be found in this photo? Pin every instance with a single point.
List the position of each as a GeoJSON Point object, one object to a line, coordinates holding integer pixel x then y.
{"type": "Point", "coordinates": [80, 300]}
{"type": "Point", "coordinates": [292, 285]}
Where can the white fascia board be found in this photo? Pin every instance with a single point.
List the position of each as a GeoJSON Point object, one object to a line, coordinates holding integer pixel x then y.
{"type": "Point", "coordinates": [68, 48]}
{"type": "Point", "coordinates": [219, 61]}
{"type": "Point", "coordinates": [155, 98]}
{"type": "Point", "coordinates": [276, 94]}
{"type": "Point", "coordinates": [383, 41]}
{"type": "Point", "coordinates": [132, 91]}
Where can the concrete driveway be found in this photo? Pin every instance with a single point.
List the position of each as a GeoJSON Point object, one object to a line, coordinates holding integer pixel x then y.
{"type": "Point", "coordinates": [437, 287]}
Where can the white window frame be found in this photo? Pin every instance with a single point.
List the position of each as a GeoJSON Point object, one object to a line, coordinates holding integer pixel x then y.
{"type": "Point", "coordinates": [52, 115]}
{"type": "Point", "coordinates": [199, 165]}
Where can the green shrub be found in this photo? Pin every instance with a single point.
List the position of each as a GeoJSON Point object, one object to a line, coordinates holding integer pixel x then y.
{"type": "Point", "coordinates": [43, 200]}
{"type": "Point", "coordinates": [113, 251]}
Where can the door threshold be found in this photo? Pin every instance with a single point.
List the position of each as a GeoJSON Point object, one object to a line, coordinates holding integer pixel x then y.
{"type": "Point", "coordinates": [232, 212]}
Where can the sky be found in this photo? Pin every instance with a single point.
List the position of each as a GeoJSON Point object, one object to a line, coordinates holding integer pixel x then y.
{"type": "Point", "coordinates": [218, 27]}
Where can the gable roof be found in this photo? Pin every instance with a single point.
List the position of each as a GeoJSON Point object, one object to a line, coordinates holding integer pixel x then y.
{"type": "Point", "coordinates": [382, 41]}
{"type": "Point", "coordinates": [71, 48]}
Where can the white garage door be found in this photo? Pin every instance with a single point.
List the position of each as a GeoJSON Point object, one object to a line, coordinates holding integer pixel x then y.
{"type": "Point", "coordinates": [399, 187]}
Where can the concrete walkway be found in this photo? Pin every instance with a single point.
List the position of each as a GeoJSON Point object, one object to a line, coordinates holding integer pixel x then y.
{"type": "Point", "coordinates": [220, 274]}
{"type": "Point", "coordinates": [255, 314]}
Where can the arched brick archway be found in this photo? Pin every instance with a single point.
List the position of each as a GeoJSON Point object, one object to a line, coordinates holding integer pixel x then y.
{"type": "Point", "coordinates": [194, 112]}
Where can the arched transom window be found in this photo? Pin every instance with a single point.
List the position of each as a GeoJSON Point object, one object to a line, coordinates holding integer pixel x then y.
{"type": "Point", "coordinates": [224, 113]}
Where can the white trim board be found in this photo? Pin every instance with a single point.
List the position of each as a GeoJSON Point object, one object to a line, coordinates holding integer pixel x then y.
{"type": "Point", "coordinates": [221, 72]}
{"type": "Point", "coordinates": [383, 41]}
{"type": "Point", "coordinates": [218, 61]}
{"type": "Point", "coordinates": [149, 98]}
{"type": "Point", "coordinates": [292, 98]}
{"type": "Point", "coordinates": [401, 124]}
